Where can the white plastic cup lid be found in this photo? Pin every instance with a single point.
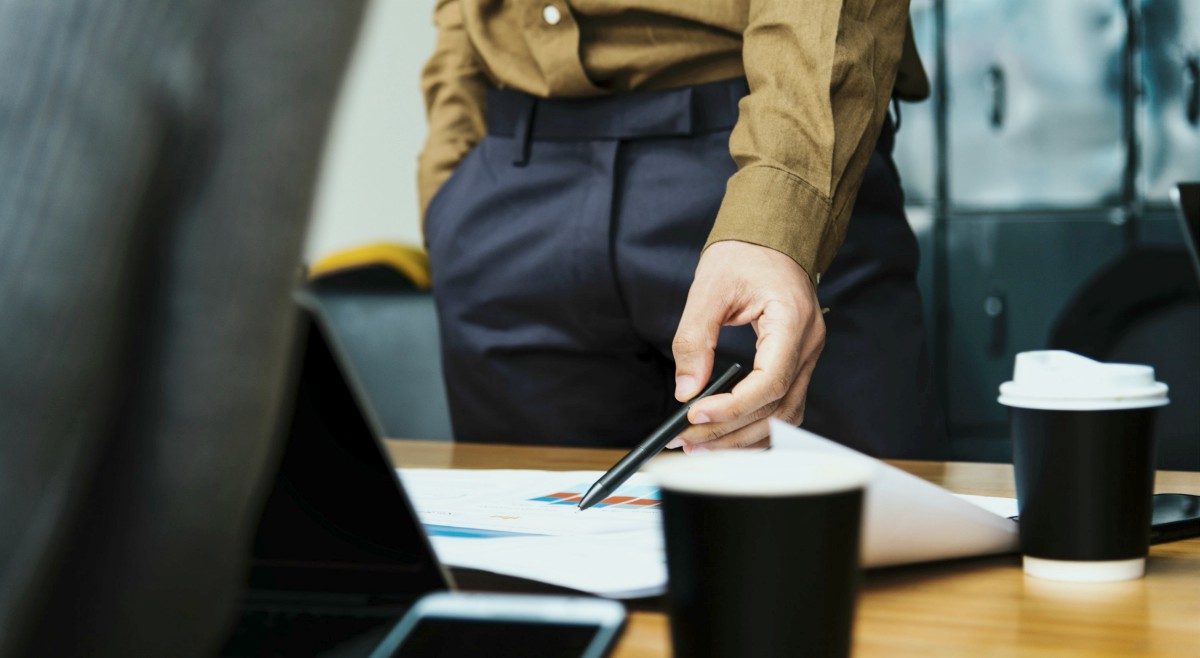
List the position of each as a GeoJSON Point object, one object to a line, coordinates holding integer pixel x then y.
{"type": "Point", "coordinates": [762, 474]}
{"type": "Point", "coordinates": [1060, 380]}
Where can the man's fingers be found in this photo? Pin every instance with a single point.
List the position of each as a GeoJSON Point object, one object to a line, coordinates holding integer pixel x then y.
{"type": "Point", "coordinates": [703, 430]}
{"type": "Point", "coordinates": [777, 368]}
{"type": "Point", "coordinates": [752, 434]}
{"type": "Point", "coordinates": [693, 346]}
{"type": "Point", "coordinates": [757, 391]}
{"type": "Point", "coordinates": [761, 445]}
{"type": "Point", "coordinates": [738, 433]}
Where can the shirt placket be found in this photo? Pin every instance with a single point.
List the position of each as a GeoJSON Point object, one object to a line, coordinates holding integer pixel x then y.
{"type": "Point", "coordinates": [552, 33]}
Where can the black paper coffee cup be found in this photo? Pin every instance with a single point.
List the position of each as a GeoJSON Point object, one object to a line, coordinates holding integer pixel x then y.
{"type": "Point", "coordinates": [762, 552]}
{"type": "Point", "coordinates": [1083, 458]}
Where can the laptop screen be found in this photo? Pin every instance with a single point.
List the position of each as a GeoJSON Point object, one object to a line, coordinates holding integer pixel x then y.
{"type": "Point", "coordinates": [337, 519]}
{"type": "Point", "coordinates": [1187, 202]}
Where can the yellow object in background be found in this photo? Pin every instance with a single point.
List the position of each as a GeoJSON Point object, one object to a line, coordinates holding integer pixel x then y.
{"type": "Point", "coordinates": [408, 261]}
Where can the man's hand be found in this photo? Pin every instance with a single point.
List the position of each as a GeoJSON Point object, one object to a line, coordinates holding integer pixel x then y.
{"type": "Point", "coordinates": [738, 283]}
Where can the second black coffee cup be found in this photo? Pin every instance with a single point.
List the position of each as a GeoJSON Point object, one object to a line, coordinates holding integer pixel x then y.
{"type": "Point", "coordinates": [1083, 458]}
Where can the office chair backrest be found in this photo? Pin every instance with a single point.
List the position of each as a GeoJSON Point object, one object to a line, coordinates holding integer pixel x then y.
{"type": "Point", "coordinates": [390, 333]}
{"type": "Point", "coordinates": [1145, 308]}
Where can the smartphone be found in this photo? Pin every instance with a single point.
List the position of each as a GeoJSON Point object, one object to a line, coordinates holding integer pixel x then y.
{"type": "Point", "coordinates": [453, 624]}
{"type": "Point", "coordinates": [1176, 516]}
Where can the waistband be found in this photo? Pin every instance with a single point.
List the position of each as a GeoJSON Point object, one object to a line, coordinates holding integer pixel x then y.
{"type": "Point", "coordinates": [679, 112]}
{"type": "Point", "coordinates": [691, 110]}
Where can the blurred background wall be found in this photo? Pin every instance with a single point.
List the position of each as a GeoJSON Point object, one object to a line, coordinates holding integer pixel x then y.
{"type": "Point", "coordinates": [1044, 161]}
{"type": "Point", "coordinates": [368, 186]}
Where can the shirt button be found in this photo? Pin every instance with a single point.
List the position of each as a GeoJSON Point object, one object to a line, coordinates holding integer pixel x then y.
{"type": "Point", "coordinates": [551, 15]}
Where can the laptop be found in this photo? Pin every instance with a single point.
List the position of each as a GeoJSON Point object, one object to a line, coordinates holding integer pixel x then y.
{"type": "Point", "coordinates": [339, 554]}
{"type": "Point", "coordinates": [1187, 203]}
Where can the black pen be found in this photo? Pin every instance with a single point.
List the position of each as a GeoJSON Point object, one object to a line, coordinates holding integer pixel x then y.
{"type": "Point", "coordinates": [653, 444]}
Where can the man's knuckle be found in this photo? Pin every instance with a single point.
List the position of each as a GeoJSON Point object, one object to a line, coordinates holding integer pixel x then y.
{"type": "Point", "coordinates": [764, 411]}
{"type": "Point", "coordinates": [778, 387]}
{"type": "Point", "coordinates": [686, 344]}
{"type": "Point", "coordinates": [716, 432]}
{"type": "Point", "coordinates": [734, 409]}
{"type": "Point", "coordinates": [793, 416]}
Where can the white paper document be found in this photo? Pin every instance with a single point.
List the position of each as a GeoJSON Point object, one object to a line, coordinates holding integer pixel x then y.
{"type": "Point", "coordinates": [907, 519]}
{"type": "Point", "coordinates": [527, 523]}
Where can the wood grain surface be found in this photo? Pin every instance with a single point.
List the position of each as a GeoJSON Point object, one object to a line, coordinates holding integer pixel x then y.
{"type": "Point", "coordinates": [975, 607]}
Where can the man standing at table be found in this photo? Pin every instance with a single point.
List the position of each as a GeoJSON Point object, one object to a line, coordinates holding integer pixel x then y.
{"type": "Point", "coordinates": [595, 248]}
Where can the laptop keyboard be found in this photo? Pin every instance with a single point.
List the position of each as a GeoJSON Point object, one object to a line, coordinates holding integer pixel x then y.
{"type": "Point", "coordinates": [292, 633]}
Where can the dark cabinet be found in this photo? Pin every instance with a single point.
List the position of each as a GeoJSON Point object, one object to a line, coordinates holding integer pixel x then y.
{"type": "Point", "coordinates": [1045, 157]}
{"type": "Point", "coordinates": [1008, 280]}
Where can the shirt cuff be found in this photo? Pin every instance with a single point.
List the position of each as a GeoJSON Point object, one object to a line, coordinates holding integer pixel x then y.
{"type": "Point", "coordinates": [767, 206]}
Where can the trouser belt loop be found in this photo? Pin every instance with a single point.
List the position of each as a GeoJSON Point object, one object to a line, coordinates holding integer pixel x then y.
{"type": "Point", "coordinates": [524, 130]}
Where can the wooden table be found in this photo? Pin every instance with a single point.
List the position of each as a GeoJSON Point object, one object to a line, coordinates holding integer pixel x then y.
{"type": "Point", "coordinates": [976, 607]}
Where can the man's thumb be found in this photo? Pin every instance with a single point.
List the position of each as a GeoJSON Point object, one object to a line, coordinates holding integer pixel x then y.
{"type": "Point", "coordinates": [693, 348]}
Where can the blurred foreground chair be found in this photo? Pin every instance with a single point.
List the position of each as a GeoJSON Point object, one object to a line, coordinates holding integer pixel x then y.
{"type": "Point", "coordinates": [379, 306]}
{"type": "Point", "coordinates": [157, 166]}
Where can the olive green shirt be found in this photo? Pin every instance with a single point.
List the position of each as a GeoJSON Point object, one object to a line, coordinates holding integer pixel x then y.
{"type": "Point", "coordinates": [821, 73]}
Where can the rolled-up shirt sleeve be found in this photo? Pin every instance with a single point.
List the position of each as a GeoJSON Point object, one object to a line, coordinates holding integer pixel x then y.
{"type": "Point", "coordinates": [455, 89]}
{"type": "Point", "coordinates": [821, 75]}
